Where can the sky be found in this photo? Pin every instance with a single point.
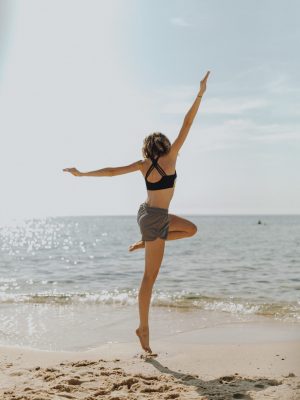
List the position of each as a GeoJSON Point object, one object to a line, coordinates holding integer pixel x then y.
{"type": "Point", "coordinates": [83, 82]}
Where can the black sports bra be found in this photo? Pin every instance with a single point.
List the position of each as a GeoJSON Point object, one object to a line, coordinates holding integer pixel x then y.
{"type": "Point", "coordinates": [167, 181]}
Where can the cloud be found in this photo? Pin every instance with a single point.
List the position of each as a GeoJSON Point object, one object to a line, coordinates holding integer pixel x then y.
{"type": "Point", "coordinates": [241, 132]}
{"type": "Point", "coordinates": [178, 100]}
{"type": "Point", "coordinates": [239, 121]}
{"type": "Point", "coordinates": [233, 106]}
{"type": "Point", "coordinates": [281, 84]}
{"type": "Point", "coordinates": [235, 133]}
{"type": "Point", "coordinates": [178, 21]}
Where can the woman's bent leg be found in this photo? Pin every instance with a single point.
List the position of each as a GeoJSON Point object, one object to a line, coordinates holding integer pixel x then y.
{"type": "Point", "coordinates": [179, 228]}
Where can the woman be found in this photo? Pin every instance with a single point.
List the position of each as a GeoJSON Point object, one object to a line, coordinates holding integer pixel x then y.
{"type": "Point", "coordinates": [155, 223]}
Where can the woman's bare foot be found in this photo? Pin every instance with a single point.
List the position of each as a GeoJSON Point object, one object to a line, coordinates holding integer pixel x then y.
{"type": "Point", "coordinates": [138, 245]}
{"type": "Point", "coordinates": [143, 334]}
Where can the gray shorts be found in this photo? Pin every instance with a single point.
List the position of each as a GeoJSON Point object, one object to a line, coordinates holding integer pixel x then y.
{"type": "Point", "coordinates": [153, 222]}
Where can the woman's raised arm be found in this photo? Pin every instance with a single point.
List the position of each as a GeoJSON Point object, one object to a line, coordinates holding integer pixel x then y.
{"type": "Point", "coordinates": [189, 118]}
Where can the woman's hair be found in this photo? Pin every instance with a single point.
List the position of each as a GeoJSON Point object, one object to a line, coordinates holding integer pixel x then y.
{"type": "Point", "coordinates": [155, 145]}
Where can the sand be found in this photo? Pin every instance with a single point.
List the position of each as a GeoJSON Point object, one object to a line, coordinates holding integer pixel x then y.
{"type": "Point", "coordinates": [239, 361]}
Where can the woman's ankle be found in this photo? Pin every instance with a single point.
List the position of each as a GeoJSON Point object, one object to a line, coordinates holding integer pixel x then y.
{"type": "Point", "coordinates": [143, 327]}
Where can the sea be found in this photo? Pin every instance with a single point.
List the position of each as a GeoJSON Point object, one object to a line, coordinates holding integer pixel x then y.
{"type": "Point", "coordinates": [70, 283]}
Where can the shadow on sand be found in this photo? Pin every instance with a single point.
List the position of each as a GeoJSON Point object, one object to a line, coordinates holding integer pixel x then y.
{"type": "Point", "coordinates": [223, 388]}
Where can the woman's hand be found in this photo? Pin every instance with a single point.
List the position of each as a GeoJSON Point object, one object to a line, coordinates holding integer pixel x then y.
{"type": "Point", "coordinates": [203, 83]}
{"type": "Point", "coordinates": [73, 171]}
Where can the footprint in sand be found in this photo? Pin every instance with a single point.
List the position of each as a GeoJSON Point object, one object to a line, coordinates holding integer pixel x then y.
{"type": "Point", "coordinates": [84, 363]}
{"type": "Point", "coordinates": [16, 373]}
{"type": "Point", "coordinates": [26, 389]}
{"type": "Point", "coordinates": [62, 388]}
{"type": "Point", "coordinates": [226, 378]}
{"type": "Point", "coordinates": [74, 381]}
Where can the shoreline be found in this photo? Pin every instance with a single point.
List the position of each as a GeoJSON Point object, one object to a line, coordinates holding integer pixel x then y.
{"type": "Point", "coordinates": [87, 327]}
{"type": "Point", "coordinates": [235, 361]}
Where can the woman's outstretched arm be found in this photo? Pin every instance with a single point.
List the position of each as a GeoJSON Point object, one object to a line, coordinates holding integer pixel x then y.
{"type": "Point", "coordinates": [108, 171]}
{"type": "Point", "coordinates": [189, 118]}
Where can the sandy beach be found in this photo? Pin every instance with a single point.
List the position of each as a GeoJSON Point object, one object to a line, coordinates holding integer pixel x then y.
{"type": "Point", "coordinates": [127, 121]}
{"type": "Point", "coordinates": [238, 361]}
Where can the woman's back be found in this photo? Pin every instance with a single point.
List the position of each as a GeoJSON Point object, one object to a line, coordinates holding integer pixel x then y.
{"type": "Point", "coordinates": [160, 178]}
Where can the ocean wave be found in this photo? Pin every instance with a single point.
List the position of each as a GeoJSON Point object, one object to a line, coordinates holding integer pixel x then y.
{"type": "Point", "coordinates": [288, 311]}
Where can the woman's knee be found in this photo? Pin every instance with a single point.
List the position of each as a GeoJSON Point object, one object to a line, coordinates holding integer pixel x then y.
{"type": "Point", "coordinates": [150, 277]}
{"type": "Point", "coordinates": [192, 229]}
{"type": "Point", "coordinates": [181, 224]}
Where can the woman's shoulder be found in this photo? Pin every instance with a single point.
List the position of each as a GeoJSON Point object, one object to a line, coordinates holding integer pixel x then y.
{"type": "Point", "coordinates": [164, 159]}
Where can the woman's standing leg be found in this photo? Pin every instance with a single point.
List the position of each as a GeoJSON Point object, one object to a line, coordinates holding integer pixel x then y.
{"type": "Point", "coordinates": [154, 252]}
